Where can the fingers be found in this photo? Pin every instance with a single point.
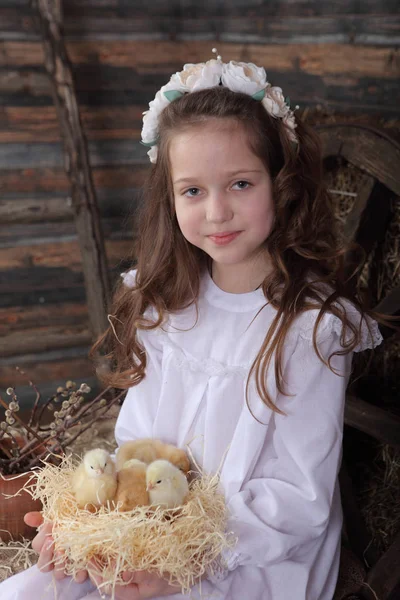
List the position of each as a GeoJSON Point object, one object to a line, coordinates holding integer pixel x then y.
{"type": "Point", "coordinates": [95, 577]}
{"type": "Point", "coordinates": [43, 535]}
{"type": "Point", "coordinates": [43, 544]}
{"type": "Point", "coordinates": [33, 519]}
{"type": "Point", "coordinates": [81, 576]}
{"type": "Point", "coordinates": [138, 577]}
{"type": "Point", "coordinates": [125, 592]}
{"type": "Point", "coordinates": [45, 561]}
{"type": "Point", "coordinates": [59, 565]}
{"type": "Point", "coordinates": [128, 576]}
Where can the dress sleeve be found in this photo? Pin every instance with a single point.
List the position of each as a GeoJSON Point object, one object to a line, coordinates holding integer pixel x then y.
{"type": "Point", "coordinates": [136, 417]}
{"type": "Point", "coordinates": [279, 514]}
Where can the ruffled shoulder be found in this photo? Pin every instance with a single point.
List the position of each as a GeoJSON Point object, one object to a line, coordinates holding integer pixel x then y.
{"type": "Point", "coordinates": [129, 278]}
{"type": "Point", "coordinates": [370, 336]}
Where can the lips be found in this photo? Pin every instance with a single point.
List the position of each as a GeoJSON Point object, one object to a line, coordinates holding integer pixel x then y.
{"type": "Point", "coordinates": [224, 237]}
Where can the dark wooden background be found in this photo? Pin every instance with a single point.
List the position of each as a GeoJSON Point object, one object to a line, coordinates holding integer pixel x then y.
{"type": "Point", "coordinates": [342, 54]}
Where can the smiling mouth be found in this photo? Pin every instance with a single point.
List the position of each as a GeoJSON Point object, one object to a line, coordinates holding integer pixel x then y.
{"type": "Point", "coordinates": [224, 238]}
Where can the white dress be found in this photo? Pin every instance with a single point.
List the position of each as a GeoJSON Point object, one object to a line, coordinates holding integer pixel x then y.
{"type": "Point", "coordinates": [279, 475]}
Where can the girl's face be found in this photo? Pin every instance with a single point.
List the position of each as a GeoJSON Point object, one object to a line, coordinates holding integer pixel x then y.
{"type": "Point", "coordinates": [223, 199]}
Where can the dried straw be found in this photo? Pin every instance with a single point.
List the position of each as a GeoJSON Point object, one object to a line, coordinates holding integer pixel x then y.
{"type": "Point", "coordinates": [177, 544]}
{"type": "Point", "coordinates": [15, 557]}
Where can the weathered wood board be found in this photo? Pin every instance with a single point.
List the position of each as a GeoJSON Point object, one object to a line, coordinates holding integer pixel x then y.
{"type": "Point", "coordinates": [342, 54]}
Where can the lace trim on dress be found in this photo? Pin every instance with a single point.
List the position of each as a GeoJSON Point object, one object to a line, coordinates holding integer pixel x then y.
{"type": "Point", "coordinates": [209, 366]}
{"type": "Point", "coordinates": [370, 334]}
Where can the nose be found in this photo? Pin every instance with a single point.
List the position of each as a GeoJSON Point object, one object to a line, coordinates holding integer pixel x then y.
{"type": "Point", "coordinates": [218, 209]}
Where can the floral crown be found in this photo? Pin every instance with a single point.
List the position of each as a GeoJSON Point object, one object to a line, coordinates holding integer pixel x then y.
{"type": "Point", "coordinates": [242, 77]}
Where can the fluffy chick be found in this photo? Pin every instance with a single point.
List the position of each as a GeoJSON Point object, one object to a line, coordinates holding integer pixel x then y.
{"type": "Point", "coordinates": [94, 482]}
{"type": "Point", "coordinates": [143, 450]}
{"type": "Point", "coordinates": [149, 450]}
{"type": "Point", "coordinates": [166, 484]}
{"type": "Point", "coordinates": [131, 489]}
{"type": "Point", "coordinates": [176, 456]}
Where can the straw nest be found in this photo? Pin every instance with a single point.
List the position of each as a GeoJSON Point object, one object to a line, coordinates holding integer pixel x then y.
{"type": "Point", "coordinates": [179, 544]}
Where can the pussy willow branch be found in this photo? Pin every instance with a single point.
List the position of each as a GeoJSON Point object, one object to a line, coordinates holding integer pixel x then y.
{"type": "Point", "coordinates": [16, 417]}
{"type": "Point", "coordinates": [46, 441]}
{"type": "Point", "coordinates": [52, 449]}
{"type": "Point", "coordinates": [84, 409]}
{"type": "Point", "coordinates": [80, 411]}
{"type": "Point", "coordinates": [45, 405]}
{"type": "Point", "coordinates": [5, 450]}
{"type": "Point", "coordinates": [30, 422]}
{"type": "Point", "coordinates": [16, 445]}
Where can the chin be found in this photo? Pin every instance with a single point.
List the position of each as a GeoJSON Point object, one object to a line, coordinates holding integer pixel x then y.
{"type": "Point", "coordinates": [228, 259]}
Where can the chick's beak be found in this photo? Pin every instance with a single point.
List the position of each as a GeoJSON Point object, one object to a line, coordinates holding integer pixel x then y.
{"type": "Point", "coordinates": [150, 486]}
{"type": "Point", "coordinates": [99, 471]}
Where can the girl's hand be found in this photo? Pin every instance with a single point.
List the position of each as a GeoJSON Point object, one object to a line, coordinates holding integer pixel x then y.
{"type": "Point", "coordinates": [43, 544]}
{"type": "Point", "coordinates": [140, 585]}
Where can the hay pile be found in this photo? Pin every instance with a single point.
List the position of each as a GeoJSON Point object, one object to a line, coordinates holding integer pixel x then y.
{"type": "Point", "coordinates": [179, 544]}
{"type": "Point", "coordinates": [375, 469]}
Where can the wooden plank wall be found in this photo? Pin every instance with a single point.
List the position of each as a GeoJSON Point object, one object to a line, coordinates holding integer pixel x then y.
{"type": "Point", "coordinates": [343, 53]}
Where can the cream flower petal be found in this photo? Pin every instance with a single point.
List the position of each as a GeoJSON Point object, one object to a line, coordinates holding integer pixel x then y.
{"type": "Point", "coordinates": [153, 153]}
{"type": "Point", "coordinates": [241, 77]}
{"type": "Point", "coordinates": [208, 77]}
{"type": "Point", "coordinates": [244, 77]}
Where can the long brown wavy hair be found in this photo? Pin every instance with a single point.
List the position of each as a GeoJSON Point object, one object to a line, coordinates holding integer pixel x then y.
{"type": "Point", "coordinates": [306, 254]}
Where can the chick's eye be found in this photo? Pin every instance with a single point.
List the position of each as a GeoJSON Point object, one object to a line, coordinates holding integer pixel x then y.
{"type": "Point", "coordinates": [91, 466]}
{"type": "Point", "coordinates": [159, 481]}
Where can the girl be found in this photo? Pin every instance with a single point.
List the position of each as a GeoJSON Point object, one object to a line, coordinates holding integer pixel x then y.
{"type": "Point", "coordinates": [235, 334]}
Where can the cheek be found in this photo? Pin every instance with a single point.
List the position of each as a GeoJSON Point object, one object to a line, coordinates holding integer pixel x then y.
{"type": "Point", "coordinates": [188, 219]}
{"type": "Point", "coordinates": [262, 217]}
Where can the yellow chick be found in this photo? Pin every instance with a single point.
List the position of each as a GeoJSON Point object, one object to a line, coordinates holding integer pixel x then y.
{"type": "Point", "coordinates": [143, 450]}
{"type": "Point", "coordinates": [94, 482]}
{"type": "Point", "coordinates": [149, 450]}
{"type": "Point", "coordinates": [166, 484]}
{"type": "Point", "coordinates": [176, 456]}
{"type": "Point", "coordinates": [131, 489]}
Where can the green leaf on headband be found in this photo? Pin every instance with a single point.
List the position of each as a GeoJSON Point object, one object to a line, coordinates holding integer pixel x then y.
{"type": "Point", "coordinates": [259, 95]}
{"type": "Point", "coordinates": [173, 95]}
{"type": "Point", "coordinates": [287, 101]}
{"type": "Point", "coordinates": [148, 144]}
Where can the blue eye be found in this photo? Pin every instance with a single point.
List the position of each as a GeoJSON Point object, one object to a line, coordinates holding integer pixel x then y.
{"type": "Point", "coordinates": [246, 183]}
{"type": "Point", "coordinates": [193, 189]}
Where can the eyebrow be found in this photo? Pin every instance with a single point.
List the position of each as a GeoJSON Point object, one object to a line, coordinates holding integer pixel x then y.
{"type": "Point", "coordinates": [229, 174]}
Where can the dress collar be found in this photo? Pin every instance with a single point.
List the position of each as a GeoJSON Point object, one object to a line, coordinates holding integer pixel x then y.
{"type": "Point", "coordinates": [245, 302]}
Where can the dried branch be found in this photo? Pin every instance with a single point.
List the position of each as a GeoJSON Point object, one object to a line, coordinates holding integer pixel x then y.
{"type": "Point", "coordinates": [70, 417]}
{"type": "Point", "coordinates": [24, 425]}
{"type": "Point", "coordinates": [5, 450]}
{"type": "Point", "coordinates": [37, 399]}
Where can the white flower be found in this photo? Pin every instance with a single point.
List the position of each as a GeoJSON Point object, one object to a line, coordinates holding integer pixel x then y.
{"type": "Point", "coordinates": [275, 103]}
{"type": "Point", "coordinates": [153, 153]}
{"type": "Point", "coordinates": [129, 278]}
{"type": "Point", "coordinates": [270, 106]}
{"type": "Point", "coordinates": [244, 77]}
{"type": "Point", "coordinates": [156, 106]}
{"type": "Point", "coordinates": [290, 123]}
{"type": "Point", "coordinates": [201, 76]}
{"type": "Point", "coordinates": [150, 126]}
